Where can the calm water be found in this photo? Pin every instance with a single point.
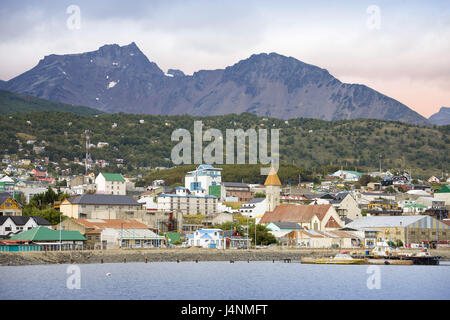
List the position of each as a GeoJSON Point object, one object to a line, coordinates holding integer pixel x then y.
{"type": "Point", "coordinates": [223, 281]}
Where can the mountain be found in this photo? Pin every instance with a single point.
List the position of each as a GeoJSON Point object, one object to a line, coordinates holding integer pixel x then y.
{"type": "Point", "coordinates": [122, 79]}
{"type": "Point", "coordinates": [19, 103]}
{"type": "Point", "coordinates": [441, 118]}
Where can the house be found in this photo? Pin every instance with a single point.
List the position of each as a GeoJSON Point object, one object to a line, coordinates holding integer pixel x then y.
{"type": "Point", "coordinates": [312, 217]}
{"type": "Point", "coordinates": [99, 206]}
{"type": "Point", "coordinates": [434, 179]}
{"type": "Point", "coordinates": [238, 190]}
{"type": "Point", "coordinates": [234, 239]}
{"type": "Point", "coordinates": [414, 209]}
{"type": "Point", "coordinates": [207, 238]}
{"type": "Point", "coordinates": [10, 225]}
{"type": "Point", "coordinates": [114, 233]}
{"type": "Point", "coordinates": [347, 175]}
{"type": "Point", "coordinates": [346, 206]}
{"type": "Point", "coordinates": [111, 183]}
{"type": "Point", "coordinates": [411, 230]}
{"type": "Point", "coordinates": [50, 240]}
{"type": "Point", "coordinates": [203, 177]}
{"type": "Point", "coordinates": [254, 207]}
{"type": "Point", "coordinates": [280, 229]}
{"type": "Point", "coordinates": [9, 206]}
{"type": "Point", "coordinates": [383, 207]}
{"type": "Point", "coordinates": [7, 185]}
{"type": "Point", "coordinates": [148, 203]}
{"type": "Point", "coordinates": [444, 194]}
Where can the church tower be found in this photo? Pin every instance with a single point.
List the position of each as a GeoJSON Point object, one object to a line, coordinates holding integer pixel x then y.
{"type": "Point", "coordinates": [273, 186]}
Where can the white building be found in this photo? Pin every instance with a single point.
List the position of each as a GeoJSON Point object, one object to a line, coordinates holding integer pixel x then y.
{"type": "Point", "coordinates": [202, 178]}
{"type": "Point", "coordinates": [187, 203]}
{"type": "Point", "coordinates": [207, 238]}
{"type": "Point", "coordinates": [254, 208]}
{"type": "Point", "coordinates": [13, 225]}
{"type": "Point", "coordinates": [111, 183]}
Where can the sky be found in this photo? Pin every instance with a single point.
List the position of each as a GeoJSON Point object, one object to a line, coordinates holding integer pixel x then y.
{"type": "Point", "coordinates": [398, 47]}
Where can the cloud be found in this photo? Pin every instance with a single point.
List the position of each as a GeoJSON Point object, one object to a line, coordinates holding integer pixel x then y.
{"type": "Point", "coordinates": [408, 51]}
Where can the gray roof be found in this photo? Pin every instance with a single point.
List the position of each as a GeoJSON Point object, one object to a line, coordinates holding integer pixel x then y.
{"type": "Point", "coordinates": [4, 196]}
{"type": "Point", "coordinates": [235, 184]}
{"type": "Point", "coordinates": [287, 225]}
{"type": "Point", "coordinates": [391, 222]}
{"type": "Point", "coordinates": [256, 200]}
{"type": "Point", "coordinates": [22, 220]}
{"type": "Point", "coordinates": [104, 199]}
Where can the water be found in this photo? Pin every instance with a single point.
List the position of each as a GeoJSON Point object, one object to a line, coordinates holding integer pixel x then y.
{"type": "Point", "coordinates": [224, 281]}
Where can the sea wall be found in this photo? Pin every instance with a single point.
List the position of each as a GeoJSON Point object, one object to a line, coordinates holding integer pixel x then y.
{"type": "Point", "coordinates": [159, 255]}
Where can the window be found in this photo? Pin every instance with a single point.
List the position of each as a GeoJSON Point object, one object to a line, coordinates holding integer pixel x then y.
{"type": "Point", "coordinates": [7, 228]}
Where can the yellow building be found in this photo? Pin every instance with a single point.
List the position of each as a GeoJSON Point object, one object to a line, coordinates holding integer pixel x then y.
{"type": "Point", "coordinates": [9, 206]}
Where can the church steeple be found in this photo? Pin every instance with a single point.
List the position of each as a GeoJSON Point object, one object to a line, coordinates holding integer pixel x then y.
{"type": "Point", "coordinates": [272, 185]}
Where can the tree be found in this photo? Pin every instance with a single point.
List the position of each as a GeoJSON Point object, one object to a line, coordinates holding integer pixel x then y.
{"type": "Point", "coordinates": [260, 195]}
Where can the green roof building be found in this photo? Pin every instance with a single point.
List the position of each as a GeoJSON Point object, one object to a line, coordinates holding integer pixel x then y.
{"type": "Point", "coordinates": [111, 183]}
{"type": "Point", "coordinates": [44, 234]}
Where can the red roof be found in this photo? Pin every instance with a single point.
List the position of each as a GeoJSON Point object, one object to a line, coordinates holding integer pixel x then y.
{"type": "Point", "coordinates": [332, 223]}
{"type": "Point", "coordinates": [296, 213]}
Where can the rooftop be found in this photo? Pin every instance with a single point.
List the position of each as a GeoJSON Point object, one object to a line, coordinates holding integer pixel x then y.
{"type": "Point", "coordinates": [103, 199]}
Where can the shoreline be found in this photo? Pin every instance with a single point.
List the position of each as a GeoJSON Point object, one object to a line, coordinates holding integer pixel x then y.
{"type": "Point", "coordinates": [173, 255]}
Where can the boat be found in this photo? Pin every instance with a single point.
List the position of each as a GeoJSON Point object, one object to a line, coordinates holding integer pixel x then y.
{"type": "Point", "coordinates": [340, 258]}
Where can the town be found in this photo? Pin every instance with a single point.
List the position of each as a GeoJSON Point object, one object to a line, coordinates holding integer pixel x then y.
{"type": "Point", "coordinates": [342, 210]}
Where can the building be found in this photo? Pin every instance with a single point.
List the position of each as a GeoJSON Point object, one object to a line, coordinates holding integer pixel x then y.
{"type": "Point", "coordinates": [347, 175]}
{"type": "Point", "coordinates": [240, 191]}
{"type": "Point", "coordinates": [203, 177]}
{"type": "Point", "coordinates": [444, 194]}
{"type": "Point", "coordinates": [322, 239]}
{"type": "Point", "coordinates": [9, 206]}
{"type": "Point", "coordinates": [234, 239]}
{"type": "Point", "coordinates": [253, 208]}
{"type": "Point", "coordinates": [111, 183]}
{"type": "Point", "coordinates": [51, 240]}
{"type": "Point", "coordinates": [346, 206]}
{"type": "Point", "coordinates": [7, 185]}
{"type": "Point", "coordinates": [207, 238]}
{"type": "Point", "coordinates": [312, 217]}
{"type": "Point", "coordinates": [273, 189]}
{"type": "Point", "coordinates": [187, 203]}
{"type": "Point", "coordinates": [217, 219]}
{"type": "Point", "coordinates": [411, 230]}
{"type": "Point", "coordinates": [114, 233]}
{"type": "Point", "coordinates": [383, 207]}
{"type": "Point", "coordinates": [10, 225]}
{"type": "Point", "coordinates": [280, 229]}
{"type": "Point", "coordinates": [99, 206]}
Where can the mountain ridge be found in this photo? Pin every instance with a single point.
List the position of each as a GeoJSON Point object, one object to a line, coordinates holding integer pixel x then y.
{"type": "Point", "coordinates": [442, 117]}
{"type": "Point", "coordinates": [122, 79]}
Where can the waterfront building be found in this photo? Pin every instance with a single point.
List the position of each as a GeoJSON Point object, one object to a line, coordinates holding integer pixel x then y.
{"type": "Point", "coordinates": [114, 233]}
{"type": "Point", "coordinates": [10, 225]}
{"type": "Point", "coordinates": [48, 239]}
{"type": "Point", "coordinates": [411, 230]}
{"type": "Point", "coordinates": [207, 238]}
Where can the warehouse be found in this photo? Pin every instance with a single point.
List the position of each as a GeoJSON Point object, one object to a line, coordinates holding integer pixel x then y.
{"type": "Point", "coordinates": [410, 230]}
